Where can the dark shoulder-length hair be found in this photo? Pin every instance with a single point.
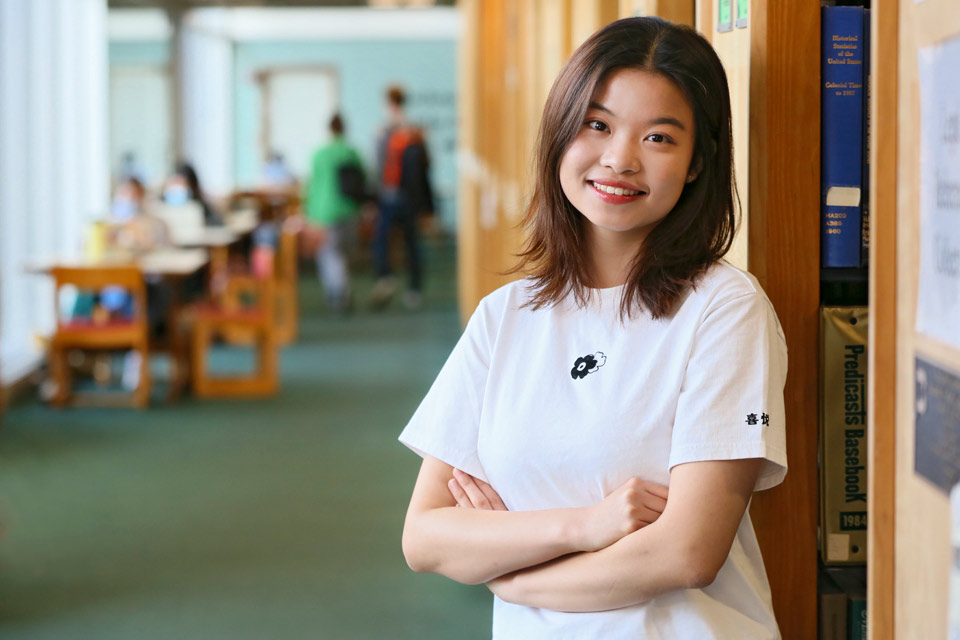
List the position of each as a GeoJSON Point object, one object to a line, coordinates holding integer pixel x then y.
{"type": "Point", "coordinates": [700, 228]}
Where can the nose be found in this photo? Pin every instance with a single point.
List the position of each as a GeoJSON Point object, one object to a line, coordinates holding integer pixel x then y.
{"type": "Point", "coordinates": [621, 155]}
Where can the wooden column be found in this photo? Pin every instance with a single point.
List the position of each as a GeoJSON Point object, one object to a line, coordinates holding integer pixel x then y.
{"type": "Point", "coordinates": [784, 254]}
{"type": "Point", "coordinates": [680, 11]}
{"type": "Point", "coordinates": [881, 431]}
{"type": "Point", "coordinates": [468, 244]}
{"type": "Point", "coordinates": [589, 15]}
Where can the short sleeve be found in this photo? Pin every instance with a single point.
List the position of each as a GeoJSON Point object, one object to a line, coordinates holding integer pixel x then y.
{"type": "Point", "coordinates": [446, 425]}
{"type": "Point", "coordinates": [731, 400]}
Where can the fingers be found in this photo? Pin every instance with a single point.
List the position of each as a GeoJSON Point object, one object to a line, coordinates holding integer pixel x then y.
{"type": "Point", "coordinates": [459, 494]}
{"type": "Point", "coordinates": [655, 503]}
{"type": "Point", "coordinates": [495, 502]}
{"type": "Point", "coordinates": [656, 489]}
{"type": "Point", "coordinates": [478, 499]}
{"type": "Point", "coordinates": [647, 516]}
{"type": "Point", "coordinates": [474, 493]}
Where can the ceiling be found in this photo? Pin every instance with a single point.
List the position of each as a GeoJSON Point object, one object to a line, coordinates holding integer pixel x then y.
{"type": "Point", "coordinates": [194, 4]}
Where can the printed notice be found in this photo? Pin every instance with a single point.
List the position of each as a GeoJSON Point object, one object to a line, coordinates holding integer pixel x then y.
{"type": "Point", "coordinates": [937, 455]}
{"type": "Point", "coordinates": [938, 296]}
{"type": "Point", "coordinates": [724, 15]}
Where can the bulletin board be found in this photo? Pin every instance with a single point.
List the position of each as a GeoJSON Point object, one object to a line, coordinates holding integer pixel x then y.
{"type": "Point", "coordinates": [923, 553]}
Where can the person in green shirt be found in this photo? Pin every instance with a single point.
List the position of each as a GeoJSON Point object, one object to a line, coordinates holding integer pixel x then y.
{"type": "Point", "coordinates": [333, 197]}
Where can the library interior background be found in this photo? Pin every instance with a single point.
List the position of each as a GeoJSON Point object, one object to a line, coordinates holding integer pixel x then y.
{"type": "Point", "coordinates": [199, 406]}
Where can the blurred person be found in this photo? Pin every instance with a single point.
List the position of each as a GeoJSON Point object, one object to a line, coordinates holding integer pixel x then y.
{"type": "Point", "coordinates": [405, 194]}
{"type": "Point", "coordinates": [333, 198]}
{"type": "Point", "coordinates": [130, 167]}
{"type": "Point", "coordinates": [276, 174]}
{"type": "Point", "coordinates": [134, 228]}
{"type": "Point", "coordinates": [183, 187]}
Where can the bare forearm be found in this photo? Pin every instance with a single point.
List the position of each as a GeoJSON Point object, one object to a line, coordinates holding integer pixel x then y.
{"type": "Point", "coordinates": [636, 569]}
{"type": "Point", "coordinates": [475, 546]}
{"type": "Point", "coordinates": [683, 549]}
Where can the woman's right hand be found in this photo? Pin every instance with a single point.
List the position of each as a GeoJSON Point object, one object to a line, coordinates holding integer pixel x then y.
{"type": "Point", "coordinates": [634, 505]}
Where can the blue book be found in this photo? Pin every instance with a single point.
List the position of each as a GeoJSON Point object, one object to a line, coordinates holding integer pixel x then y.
{"type": "Point", "coordinates": [865, 193]}
{"type": "Point", "coordinates": [841, 130]}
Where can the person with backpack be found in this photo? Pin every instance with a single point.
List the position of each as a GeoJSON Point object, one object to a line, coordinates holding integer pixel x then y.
{"type": "Point", "coordinates": [333, 197]}
{"type": "Point", "coordinates": [405, 195]}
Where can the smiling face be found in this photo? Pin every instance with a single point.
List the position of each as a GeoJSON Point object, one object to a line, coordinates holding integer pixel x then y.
{"type": "Point", "coordinates": [628, 164]}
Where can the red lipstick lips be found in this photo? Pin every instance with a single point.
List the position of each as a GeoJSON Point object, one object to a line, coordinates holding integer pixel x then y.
{"type": "Point", "coordinates": [613, 198]}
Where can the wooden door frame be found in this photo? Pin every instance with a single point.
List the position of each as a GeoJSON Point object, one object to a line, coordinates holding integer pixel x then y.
{"type": "Point", "coordinates": [262, 78]}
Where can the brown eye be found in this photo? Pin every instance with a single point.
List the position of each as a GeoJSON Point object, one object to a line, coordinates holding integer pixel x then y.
{"type": "Point", "coordinates": [596, 125]}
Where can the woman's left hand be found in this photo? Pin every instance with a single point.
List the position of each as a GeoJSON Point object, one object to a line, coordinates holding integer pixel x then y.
{"type": "Point", "coordinates": [473, 493]}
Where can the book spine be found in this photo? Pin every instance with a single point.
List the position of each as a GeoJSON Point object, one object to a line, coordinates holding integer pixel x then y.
{"type": "Point", "coordinates": [865, 179]}
{"type": "Point", "coordinates": [843, 435]}
{"type": "Point", "coordinates": [841, 136]}
{"type": "Point", "coordinates": [833, 608]}
{"type": "Point", "coordinates": [857, 618]}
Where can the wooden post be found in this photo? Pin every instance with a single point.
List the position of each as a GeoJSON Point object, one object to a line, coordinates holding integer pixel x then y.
{"type": "Point", "coordinates": [784, 254]}
{"type": "Point", "coordinates": [881, 430]}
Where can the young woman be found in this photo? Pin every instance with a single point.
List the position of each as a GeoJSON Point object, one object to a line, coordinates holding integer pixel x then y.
{"type": "Point", "coordinates": [631, 357]}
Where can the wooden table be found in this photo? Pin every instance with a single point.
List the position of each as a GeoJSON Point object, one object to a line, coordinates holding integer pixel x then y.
{"type": "Point", "coordinates": [217, 240]}
{"type": "Point", "coordinates": [163, 262]}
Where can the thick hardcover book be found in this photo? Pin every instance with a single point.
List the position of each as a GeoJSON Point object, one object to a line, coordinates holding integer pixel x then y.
{"type": "Point", "coordinates": [843, 435]}
{"type": "Point", "coordinates": [833, 608]}
{"type": "Point", "coordinates": [853, 582]}
{"type": "Point", "coordinates": [841, 132]}
{"type": "Point", "coordinates": [865, 164]}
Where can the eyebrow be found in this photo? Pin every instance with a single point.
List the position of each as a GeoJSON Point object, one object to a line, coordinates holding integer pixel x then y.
{"type": "Point", "coordinates": [661, 120]}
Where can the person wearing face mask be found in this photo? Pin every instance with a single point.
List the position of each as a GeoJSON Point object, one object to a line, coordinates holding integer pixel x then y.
{"type": "Point", "coordinates": [183, 187]}
{"type": "Point", "coordinates": [125, 203]}
{"type": "Point", "coordinates": [135, 229]}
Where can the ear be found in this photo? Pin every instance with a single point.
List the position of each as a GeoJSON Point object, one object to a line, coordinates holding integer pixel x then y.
{"type": "Point", "coordinates": [695, 168]}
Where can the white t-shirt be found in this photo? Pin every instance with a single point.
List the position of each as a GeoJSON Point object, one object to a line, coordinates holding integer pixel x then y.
{"type": "Point", "coordinates": [559, 407]}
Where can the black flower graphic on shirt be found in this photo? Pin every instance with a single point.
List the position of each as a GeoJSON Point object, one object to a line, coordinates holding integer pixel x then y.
{"type": "Point", "coordinates": [587, 364]}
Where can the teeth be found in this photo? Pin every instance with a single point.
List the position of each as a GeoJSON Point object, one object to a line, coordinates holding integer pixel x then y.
{"type": "Point", "coordinates": [618, 191]}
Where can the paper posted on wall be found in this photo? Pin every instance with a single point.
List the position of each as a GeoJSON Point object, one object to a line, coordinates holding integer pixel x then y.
{"type": "Point", "coordinates": [938, 296]}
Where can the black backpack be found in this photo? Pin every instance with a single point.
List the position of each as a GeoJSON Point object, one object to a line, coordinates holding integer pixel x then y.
{"type": "Point", "coordinates": [352, 183]}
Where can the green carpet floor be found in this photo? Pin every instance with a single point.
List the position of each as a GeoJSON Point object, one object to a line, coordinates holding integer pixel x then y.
{"type": "Point", "coordinates": [237, 519]}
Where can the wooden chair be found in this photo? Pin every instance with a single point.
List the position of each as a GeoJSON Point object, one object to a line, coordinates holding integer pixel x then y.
{"type": "Point", "coordinates": [230, 315]}
{"type": "Point", "coordinates": [95, 334]}
{"type": "Point", "coordinates": [288, 308]}
{"type": "Point", "coordinates": [241, 284]}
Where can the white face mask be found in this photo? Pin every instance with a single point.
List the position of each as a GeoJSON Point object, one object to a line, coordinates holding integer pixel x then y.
{"type": "Point", "coordinates": [123, 208]}
{"type": "Point", "coordinates": [176, 195]}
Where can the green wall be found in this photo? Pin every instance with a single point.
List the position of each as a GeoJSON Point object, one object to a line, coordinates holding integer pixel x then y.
{"type": "Point", "coordinates": [426, 68]}
{"type": "Point", "coordinates": [157, 52]}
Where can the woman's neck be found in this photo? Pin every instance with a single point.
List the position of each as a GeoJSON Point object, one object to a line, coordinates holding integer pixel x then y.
{"type": "Point", "coordinates": [612, 256]}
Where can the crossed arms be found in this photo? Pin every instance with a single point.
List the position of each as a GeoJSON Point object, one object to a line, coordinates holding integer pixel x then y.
{"type": "Point", "coordinates": [636, 544]}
